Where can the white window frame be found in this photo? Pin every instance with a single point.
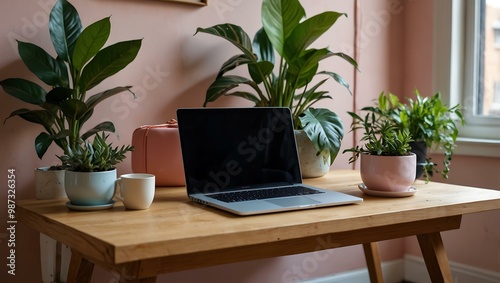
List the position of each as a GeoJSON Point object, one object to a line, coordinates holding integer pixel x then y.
{"type": "Point", "coordinates": [455, 80]}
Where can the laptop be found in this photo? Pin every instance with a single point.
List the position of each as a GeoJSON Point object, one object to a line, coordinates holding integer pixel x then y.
{"type": "Point", "coordinates": [245, 161]}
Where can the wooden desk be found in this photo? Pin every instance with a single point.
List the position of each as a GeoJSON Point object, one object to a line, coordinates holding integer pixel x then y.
{"type": "Point", "coordinates": [175, 234]}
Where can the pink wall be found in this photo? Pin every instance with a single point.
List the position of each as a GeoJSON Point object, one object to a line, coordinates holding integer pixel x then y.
{"type": "Point", "coordinates": [173, 70]}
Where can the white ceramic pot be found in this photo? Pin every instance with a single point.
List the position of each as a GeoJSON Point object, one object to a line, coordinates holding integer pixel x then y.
{"type": "Point", "coordinates": [49, 184]}
{"type": "Point", "coordinates": [90, 188]}
{"type": "Point", "coordinates": [311, 165]}
{"type": "Point", "coordinates": [388, 173]}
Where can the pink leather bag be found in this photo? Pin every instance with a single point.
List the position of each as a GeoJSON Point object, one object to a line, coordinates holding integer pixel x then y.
{"type": "Point", "coordinates": [158, 152]}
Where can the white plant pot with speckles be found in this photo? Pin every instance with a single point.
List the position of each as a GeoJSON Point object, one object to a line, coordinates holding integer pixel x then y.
{"type": "Point", "coordinates": [311, 165]}
{"type": "Point", "coordinates": [49, 184]}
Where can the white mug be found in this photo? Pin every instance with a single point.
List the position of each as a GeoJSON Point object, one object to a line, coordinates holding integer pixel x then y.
{"type": "Point", "coordinates": [136, 191]}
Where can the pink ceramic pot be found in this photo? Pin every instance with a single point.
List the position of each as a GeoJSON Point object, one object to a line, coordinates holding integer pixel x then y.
{"type": "Point", "coordinates": [388, 173]}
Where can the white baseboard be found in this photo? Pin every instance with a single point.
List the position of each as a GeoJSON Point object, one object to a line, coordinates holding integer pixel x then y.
{"type": "Point", "coordinates": [412, 269]}
{"type": "Point", "coordinates": [415, 271]}
{"type": "Point", "coordinates": [393, 272]}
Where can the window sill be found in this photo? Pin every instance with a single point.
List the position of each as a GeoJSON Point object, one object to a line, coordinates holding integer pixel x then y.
{"type": "Point", "coordinates": [477, 147]}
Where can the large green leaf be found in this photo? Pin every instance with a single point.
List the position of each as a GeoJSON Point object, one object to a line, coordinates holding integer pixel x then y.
{"type": "Point", "coordinates": [324, 128]}
{"type": "Point", "coordinates": [301, 70]}
{"type": "Point", "coordinates": [42, 143]}
{"type": "Point", "coordinates": [337, 78]}
{"type": "Point", "coordinates": [97, 98]}
{"type": "Point", "coordinates": [64, 27]}
{"type": "Point", "coordinates": [233, 62]}
{"type": "Point", "coordinates": [262, 46]}
{"type": "Point", "coordinates": [279, 18]}
{"type": "Point", "coordinates": [41, 117]}
{"type": "Point", "coordinates": [307, 32]}
{"type": "Point", "coordinates": [74, 109]}
{"type": "Point", "coordinates": [58, 95]}
{"type": "Point", "coordinates": [234, 34]}
{"type": "Point", "coordinates": [108, 62]}
{"type": "Point", "coordinates": [90, 41]}
{"type": "Point", "coordinates": [106, 126]}
{"type": "Point", "coordinates": [40, 63]}
{"type": "Point", "coordinates": [24, 90]}
{"type": "Point", "coordinates": [221, 86]}
{"type": "Point", "coordinates": [260, 70]}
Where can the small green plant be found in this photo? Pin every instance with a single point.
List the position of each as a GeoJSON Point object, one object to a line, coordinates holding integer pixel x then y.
{"type": "Point", "coordinates": [431, 122]}
{"type": "Point", "coordinates": [381, 136]}
{"type": "Point", "coordinates": [94, 157]}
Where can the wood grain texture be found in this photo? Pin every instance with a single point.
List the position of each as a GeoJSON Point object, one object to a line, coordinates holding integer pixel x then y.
{"type": "Point", "coordinates": [373, 262]}
{"type": "Point", "coordinates": [174, 231]}
{"type": "Point", "coordinates": [435, 257]}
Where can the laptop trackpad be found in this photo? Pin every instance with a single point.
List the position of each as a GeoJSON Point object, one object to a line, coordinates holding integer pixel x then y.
{"type": "Point", "coordinates": [293, 201]}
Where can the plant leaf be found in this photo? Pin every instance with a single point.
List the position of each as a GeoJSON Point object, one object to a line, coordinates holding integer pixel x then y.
{"type": "Point", "coordinates": [104, 126]}
{"type": "Point", "coordinates": [24, 90]}
{"type": "Point", "coordinates": [234, 34]}
{"type": "Point", "coordinates": [41, 117]}
{"type": "Point", "coordinates": [307, 32]}
{"type": "Point", "coordinates": [42, 143]}
{"type": "Point", "coordinates": [233, 62]}
{"type": "Point", "coordinates": [279, 18]}
{"type": "Point", "coordinates": [97, 98]}
{"type": "Point", "coordinates": [301, 70]}
{"type": "Point", "coordinates": [262, 46]}
{"type": "Point", "coordinates": [260, 70]}
{"type": "Point", "coordinates": [74, 109]}
{"type": "Point", "coordinates": [58, 95]}
{"type": "Point", "coordinates": [90, 41]}
{"type": "Point", "coordinates": [224, 84]}
{"type": "Point", "coordinates": [324, 128]}
{"type": "Point", "coordinates": [40, 63]}
{"type": "Point", "coordinates": [108, 62]}
{"type": "Point", "coordinates": [338, 79]}
{"type": "Point", "coordinates": [64, 27]}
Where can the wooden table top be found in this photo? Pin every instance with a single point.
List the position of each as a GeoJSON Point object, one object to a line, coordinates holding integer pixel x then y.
{"type": "Point", "coordinates": [173, 225]}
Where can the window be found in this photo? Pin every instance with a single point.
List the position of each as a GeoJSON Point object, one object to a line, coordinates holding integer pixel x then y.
{"type": "Point", "coordinates": [467, 69]}
{"type": "Point", "coordinates": [496, 32]}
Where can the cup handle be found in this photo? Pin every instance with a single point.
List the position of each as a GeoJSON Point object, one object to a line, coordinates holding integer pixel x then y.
{"type": "Point", "coordinates": [118, 189]}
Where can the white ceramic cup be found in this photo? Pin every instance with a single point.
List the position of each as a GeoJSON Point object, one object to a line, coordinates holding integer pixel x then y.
{"type": "Point", "coordinates": [136, 191]}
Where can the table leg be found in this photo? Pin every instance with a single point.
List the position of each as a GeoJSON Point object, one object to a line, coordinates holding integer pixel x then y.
{"type": "Point", "coordinates": [435, 257]}
{"type": "Point", "coordinates": [80, 269]}
{"type": "Point", "coordinates": [373, 262]}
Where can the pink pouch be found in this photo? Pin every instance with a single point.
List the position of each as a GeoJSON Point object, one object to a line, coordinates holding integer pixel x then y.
{"type": "Point", "coordinates": [158, 152]}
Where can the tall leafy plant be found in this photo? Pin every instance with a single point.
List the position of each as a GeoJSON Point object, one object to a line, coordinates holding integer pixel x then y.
{"type": "Point", "coordinates": [286, 80]}
{"type": "Point", "coordinates": [82, 63]}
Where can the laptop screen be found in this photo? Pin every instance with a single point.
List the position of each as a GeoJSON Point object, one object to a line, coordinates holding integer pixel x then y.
{"type": "Point", "coordinates": [237, 148]}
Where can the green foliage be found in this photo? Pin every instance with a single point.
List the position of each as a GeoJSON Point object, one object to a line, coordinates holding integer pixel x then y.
{"type": "Point", "coordinates": [81, 64]}
{"type": "Point", "coordinates": [432, 122]}
{"type": "Point", "coordinates": [284, 33]}
{"type": "Point", "coordinates": [427, 120]}
{"type": "Point", "coordinates": [380, 136]}
{"type": "Point", "coordinates": [94, 157]}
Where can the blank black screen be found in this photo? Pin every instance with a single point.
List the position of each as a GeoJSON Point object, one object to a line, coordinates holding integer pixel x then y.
{"type": "Point", "coordinates": [232, 148]}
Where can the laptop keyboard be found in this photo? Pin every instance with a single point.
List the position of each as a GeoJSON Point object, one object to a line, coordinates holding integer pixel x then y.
{"type": "Point", "coordinates": [264, 194]}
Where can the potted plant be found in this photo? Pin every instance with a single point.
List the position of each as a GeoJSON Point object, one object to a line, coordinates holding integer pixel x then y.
{"type": "Point", "coordinates": [90, 172]}
{"type": "Point", "coordinates": [286, 35]}
{"type": "Point", "coordinates": [432, 125]}
{"type": "Point", "coordinates": [387, 163]}
{"type": "Point", "coordinates": [64, 106]}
